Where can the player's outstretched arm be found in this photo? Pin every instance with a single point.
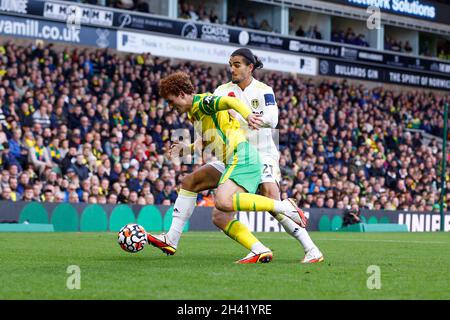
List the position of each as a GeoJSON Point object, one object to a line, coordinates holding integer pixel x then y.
{"type": "Point", "coordinates": [212, 104]}
{"type": "Point", "coordinates": [226, 103]}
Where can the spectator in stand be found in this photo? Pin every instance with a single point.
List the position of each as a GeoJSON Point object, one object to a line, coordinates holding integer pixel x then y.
{"type": "Point", "coordinates": [442, 53]}
{"type": "Point", "coordinates": [81, 170]}
{"type": "Point", "coordinates": [193, 13]}
{"type": "Point", "coordinates": [351, 216]}
{"type": "Point", "coordinates": [395, 46]}
{"type": "Point", "coordinates": [142, 6]}
{"type": "Point", "coordinates": [200, 13]}
{"type": "Point", "coordinates": [349, 37]}
{"type": "Point", "coordinates": [407, 48]}
{"type": "Point", "coordinates": [313, 33]}
{"type": "Point", "coordinates": [265, 26]}
{"type": "Point", "coordinates": [7, 158]}
{"type": "Point", "coordinates": [41, 117]}
{"type": "Point", "coordinates": [252, 23]}
{"type": "Point", "coordinates": [28, 194]}
{"type": "Point", "coordinates": [300, 32]}
{"type": "Point", "coordinates": [39, 156]}
{"type": "Point", "coordinates": [317, 34]}
{"type": "Point", "coordinates": [124, 4]}
{"type": "Point", "coordinates": [338, 36]}
{"type": "Point", "coordinates": [361, 40]}
{"type": "Point", "coordinates": [203, 16]}
{"type": "Point", "coordinates": [168, 193]}
{"type": "Point", "coordinates": [184, 10]}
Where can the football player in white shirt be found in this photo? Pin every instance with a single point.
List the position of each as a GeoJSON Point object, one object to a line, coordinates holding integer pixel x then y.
{"type": "Point", "coordinates": [262, 100]}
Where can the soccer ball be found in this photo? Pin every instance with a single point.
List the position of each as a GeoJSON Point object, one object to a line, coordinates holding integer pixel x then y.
{"type": "Point", "coordinates": [132, 238]}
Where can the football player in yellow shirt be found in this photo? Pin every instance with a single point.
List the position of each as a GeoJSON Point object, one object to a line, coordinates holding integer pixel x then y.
{"type": "Point", "coordinates": [242, 175]}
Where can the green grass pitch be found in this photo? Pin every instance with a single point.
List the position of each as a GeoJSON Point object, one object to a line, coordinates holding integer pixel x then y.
{"type": "Point", "coordinates": [412, 266]}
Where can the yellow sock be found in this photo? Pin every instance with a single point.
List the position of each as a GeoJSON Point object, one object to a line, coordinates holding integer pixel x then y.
{"type": "Point", "coordinates": [252, 202]}
{"type": "Point", "coordinates": [187, 193]}
{"type": "Point", "coordinates": [240, 233]}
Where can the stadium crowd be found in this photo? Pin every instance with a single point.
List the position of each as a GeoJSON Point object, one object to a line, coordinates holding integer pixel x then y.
{"type": "Point", "coordinates": [312, 33]}
{"type": "Point", "coordinates": [397, 45]}
{"type": "Point", "coordinates": [189, 11]}
{"type": "Point", "coordinates": [349, 37]}
{"type": "Point", "coordinates": [249, 21]}
{"type": "Point", "coordinates": [89, 126]}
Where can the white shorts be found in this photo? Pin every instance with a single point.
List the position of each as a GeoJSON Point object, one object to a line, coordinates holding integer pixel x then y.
{"type": "Point", "coordinates": [271, 170]}
{"type": "Point", "coordinates": [218, 165]}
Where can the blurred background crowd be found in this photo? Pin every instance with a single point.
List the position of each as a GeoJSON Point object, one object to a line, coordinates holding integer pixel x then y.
{"type": "Point", "coordinates": [89, 126]}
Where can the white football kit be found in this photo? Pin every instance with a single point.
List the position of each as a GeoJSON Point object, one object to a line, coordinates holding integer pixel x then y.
{"type": "Point", "coordinates": [261, 99]}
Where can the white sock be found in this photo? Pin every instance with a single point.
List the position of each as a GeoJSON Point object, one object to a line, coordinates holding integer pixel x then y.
{"type": "Point", "coordinates": [280, 207]}
{"type": "Point", "coordinates": [284, 208]}
{"type": "Point", "coordinates": [182, 212]}
{"type": "Point", "coordinates": [296, 231]}
{"type": "Point", "coordinates": [259, 247]}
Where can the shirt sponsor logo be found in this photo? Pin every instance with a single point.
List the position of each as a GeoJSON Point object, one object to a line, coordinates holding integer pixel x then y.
{"type": "Point", "coordinates": [269, 99]}
{"type": "Point", "coordinates": [208, 100]}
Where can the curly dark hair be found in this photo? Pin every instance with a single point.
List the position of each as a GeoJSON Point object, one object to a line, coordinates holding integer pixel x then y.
{"type": "Point", "coordinates": [176, 83]}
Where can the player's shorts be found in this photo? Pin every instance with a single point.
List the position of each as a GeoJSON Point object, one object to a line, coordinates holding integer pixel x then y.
{"type": "Point", "coordinates": [270, 169]}
{"type": "Point", "coordinates": [244, 168]}
{"type": "Point", "coordinates": [218, 165]}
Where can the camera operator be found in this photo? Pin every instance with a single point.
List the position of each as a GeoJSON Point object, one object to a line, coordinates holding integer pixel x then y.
{"type": "Point", "coordinates": [351, 216]}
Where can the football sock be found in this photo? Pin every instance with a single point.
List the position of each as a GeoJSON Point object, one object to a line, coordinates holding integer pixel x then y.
{"type": "Point", "coordinates": [182, 211]}
{"type": "Point", "coordinates": [252, 202]}
{"type": "Point", "coordinates": [296, 231]}
{"type": "Point", "coordinates": [241, 234]}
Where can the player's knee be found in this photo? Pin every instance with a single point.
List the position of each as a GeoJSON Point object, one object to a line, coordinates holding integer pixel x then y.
{"type": "Point", "coordinates": [224, 204]}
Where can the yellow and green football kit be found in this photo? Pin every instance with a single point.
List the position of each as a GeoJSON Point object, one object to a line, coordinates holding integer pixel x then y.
{"type": "Point", "coordinates": [223, 134]}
